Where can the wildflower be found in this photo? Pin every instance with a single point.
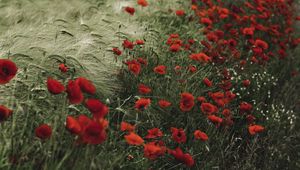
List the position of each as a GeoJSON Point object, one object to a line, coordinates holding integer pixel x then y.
{"type": "Point", "coordinates": [127, 127]}
{"type": "Point", "coordinates": [133, 139]}
{"type": "Point", "coordinates": [180, 13]}
{"type": "Point", "coordinates": [175, 47]}
{"type": "Point", "coordinates": [208, 108]}
{"type": "Point", "coordinates": [73, 126]}
{"type": "Point", "coordinates": [116, 51]}
{"type": "Point", "coordinates": [164, 103]}
{"type": "Point", "coordinates": [200, 135]}
{"type": "Point", "coordinates": [4, 113]}
{"type": "Point", "coordinates": [207, 82]}
{"type": "Point", "coordinates": [143, 89]}
{"type": "Point", "coordinates": [8, 70]}
{"type": "Point", "coordinates": [86, 85]}
{"type": "Point", "coordinates": [142, 103]}
{"type": "Point", "coordinates": [130, 10]}
{"type": "Point", "coordinates": [43, 132]}
{"type": "Point", "coordinates": [253, 129]}
{"type": "Point", "coordinates": [63, 68]}
{"type": "Point", "coordinates": [152, 151]}
{"type": "Point", "coordinates": [186, 102]}
{"type": "Point", "coordinates": [178, 135]}
{"type": "Point", "coordinates": [215, 119]}
{"type": "Point", "coordinates": [97, 108]}
{"type": "Point", "coordinates": [143, 3]}
{"type": "Point", "coordinates": [94, 133]}
{"type": "Point", "coordinates": [128, 44]}
{"type": "Point", "coordinates": [75, 95]}
{"type": "Point", "coordinates": [154, 133]}
{"type": "Point", "coordinates": [185, 158]}
{"type": "Point", "coordinates": [161, 69]}
{"type": "Point", "coordinates": [54, 86]}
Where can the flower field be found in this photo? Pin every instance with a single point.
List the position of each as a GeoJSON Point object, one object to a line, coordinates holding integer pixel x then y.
{"type": "Point", "coordinates": [149, 84]}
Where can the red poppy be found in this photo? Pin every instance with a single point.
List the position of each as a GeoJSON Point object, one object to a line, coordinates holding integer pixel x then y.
{"type": "Point", "coordinates": [186, 102]}
{"type": "Point", "coordinates": [208, 108]}
{"type": "Point", "coordinates": [97, 108]}
{"type": "Point", "coordinates": [161, 69]}
{"type": "Point", "coordinates": [139, 42]}
{"type": "Point", "coordinates": [246, 83]}
{"type": "Point", "coordinates": [207, 82]}
{"type": "Point", "coordinates": [54, 86]}
{"type": "Point", "coordinates": [200, 135]}
{"type": "Point", "coordinates": [86, 85]}
{"type": "Point", "coordinates": [130, 10]}
{"type": "Point", "coordinates": [133, 139]}
{"type": "Point", "coordinates": [261, 44]}
{"type": "Point", "coordinates": [248, 31]}
{"type": "Point", "coordinates": [185, 158]}
{"type": "Point", "coordinates": [201, 99]}
{"type": "Point", "coordinates": [63, 68]}
{"type": "Point", "coordinates": [201, 57]}
{"type": "Point", "coordinates": [215, 119]}
{"type": "Point", "coordinates": [134, 67]}
{"type": "Point", "coordinates": [192, 69]}
{"type": "Point", "coordinates": [175, 47]}
{"type": "Point", "coordinates": [142, 61]}
{"type": "Point", "coordinates": [143, 89]}
{"type": "Point", "coordinates": [178, 135]}
{"type": "Point", "coordinates": [8, 70]}
{"type": "Point", "coordinates": [142, 103]}
{"type": "Point", "coordinates": [226, 113]}
{"type": "Point", "coordinates": [164, 103]}
{"type": "Point", "coordinates": [152, 151]}
{"type": "Point", "coordinates": [117, 51]}
{"type": "Point", "coordinates": [250, 119]}
{"type": "Point", "coordinates": [127, 127]}
{"type": "Point", "coordinates": [4, 113]}
{"type": "Point", "coordinates": [245, 107]}
{"type": "Point", "coordinates": [75, 95]}
{"type": "Point", "coordinates": [253, 129]}
{"type": "Point", "coordinates": [143, 3]}
{"type": "Point", "coordinates": [154, 133]}
{"type": "Point", "coordinates": [72, 125]}
{"type": "Point", "coordinates": [206, 21]}
{"type": "Point", "coordinates": [94, 133]}
{"type": "Point", "coordinates": [128, 44]}
{"type": "Point", "coordinates": [43, 132]}
{"type": "Point", "coordinates": [180, 12]}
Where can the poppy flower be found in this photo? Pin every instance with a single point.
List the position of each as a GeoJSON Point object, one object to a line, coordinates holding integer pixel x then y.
{"type": "Point", "coordinates": [97, 108]}
{"type": "Point", "coordinates": [215, 119]}
{"type": "Point", "coordinates": [130, 10]}
{"type": "Point", "coordinates": [175, 47]}
{"type": "Point", "coordinates": [133, 139]}
{"type": "Point", "coordinates": [253, 129]}
{"type": "Point", "coordinates": [248, 31]}
{"type": "Point", "coordinates": [226, 113]}
{"type": "Point", "coordinates": [201, 57]}
{"type": "Point", "coordinates": [186, 102]}
{"type": "Point", "coordinates": [245, 107]}
{"type": "Point", "coordinates": [139, 42]}
{"type": "Point", "coordinates": [117, 51]}
{"type": "Point", "coordinates": [164, 103]}
{"type": "Point", "coordinates": [127, 127]}
{"type": "Point", "coordinates": [206, 21]}
{"type": "Point", "coordinates": [192, 69]}
{"type": "Point", "coordinates": [261, 44]}
{"type": "Point", "coordinates": [142, 3]}
{"type": "Point", "coordinates": [142, 103]}
{"type": "Point", "coordinates": [154, 133]}
{"type": "Point", "coordinates": [200, 135]}
{"type": "Point", "coordinates": [43, 132]}
{"type": "Point", "coordinates": [54, 86]}
{"type": "Point", "coordinates": [143, 89]}
{"type": "Point", "coordinates": [250, 119]}
{"type": "Point", "coordinates": [86, 85]}
{"type": "Point", "coordinates": [246, 83]}
{"type": "Point", "coordinates": [4, 113]}
{"type": "Point", "coordinates": [185, 158]}
{"type": "Point", "coordinates": [63, 68]}
{"type": "Point", "coordinates": [128, 44]}
{"type": "Point", "coordinates": [8, 70]}
{"type": "Point", "coordinates": [134, 67]}
{"type": "Point", "coordinates": [142, 61]}
{"type": "Point", "coordinates": [208, 108]}
{"type": "Point", "coordinates": [207, 82]}
{"type": "Point", "coordinates": [161, 69]}
{"type": "Point", "coordinates": [93, 133]}
{"type": "Point", "coordinates": [152, 151]}
{"type": "Point", "coordinates": [75, 95]}
{"type": "Point", "coordinates": [180, 12]}
{"type": "Point", "coordinates": [72, 125]}
{"type": "Point", "coordinates": [178, 135]}
{"type": "Point", "coordinates": [201, 99]}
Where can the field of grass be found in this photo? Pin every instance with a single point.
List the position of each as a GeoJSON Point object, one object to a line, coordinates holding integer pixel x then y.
{"type": "Point", "coordinates": [40, 35]}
